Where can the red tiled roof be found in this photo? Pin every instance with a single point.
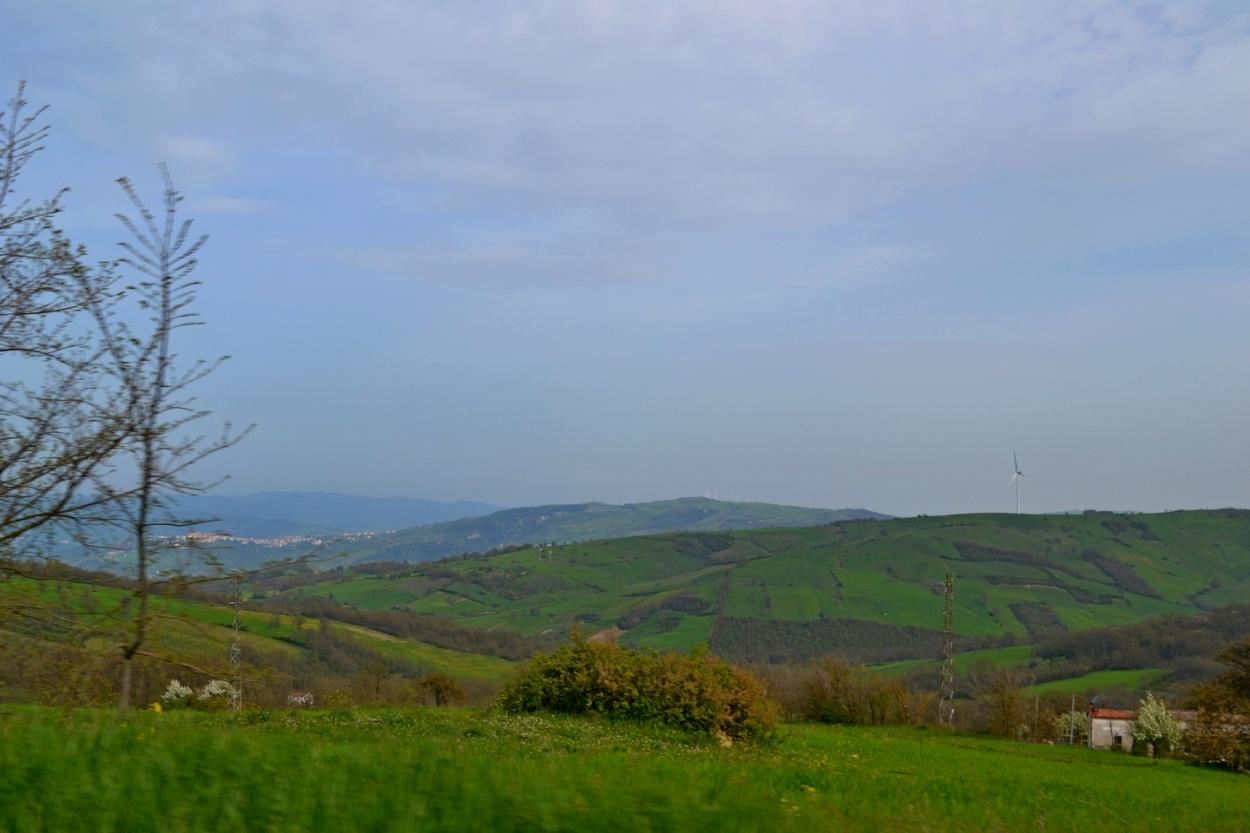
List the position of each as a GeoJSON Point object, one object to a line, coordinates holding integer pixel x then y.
{"type": "Point", "coordinates": [1113, 714]}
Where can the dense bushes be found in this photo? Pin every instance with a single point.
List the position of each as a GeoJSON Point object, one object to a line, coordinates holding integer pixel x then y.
{"type": "Point", "coordinates": [836, 691]}
{"type": "Point", "coordinates": [695, 691]}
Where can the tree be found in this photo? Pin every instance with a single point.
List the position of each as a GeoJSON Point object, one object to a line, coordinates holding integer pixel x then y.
{"type": "Point", "coordinates": [441, 689]}
{"type": "Point", "coordinates": [1220, 732]}
{"type": "Point", "coordinates": [157, 393]}
{"type": "Point", "coordinates": [103, 437]}
{"type": "Point", "coordinates": [61, 423]}
{"type": "Point", "coordinates": [1156, 726]}
{"type": "Point", "coordinates": [1000, 689]}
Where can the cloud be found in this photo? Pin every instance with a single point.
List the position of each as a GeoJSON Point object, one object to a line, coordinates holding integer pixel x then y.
{"type": "Point", "coordinates": [700, 113]}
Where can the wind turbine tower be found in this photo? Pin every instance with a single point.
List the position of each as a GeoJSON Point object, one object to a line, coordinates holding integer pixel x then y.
{"type": "Point", "coordinates": [1016, 478]}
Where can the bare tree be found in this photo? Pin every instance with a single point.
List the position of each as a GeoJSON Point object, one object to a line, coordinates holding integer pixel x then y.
{"type": "Point", "coordinates": [97, 418]}
{"type": "Point", "coordinates": [1000, 689]}
{"type": "Point", "coordinates": [61, 423]}
{"type": "Point", "coordinates": [162, 447]}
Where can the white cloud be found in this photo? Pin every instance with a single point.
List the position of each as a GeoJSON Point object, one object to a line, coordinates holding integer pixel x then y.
{"type": "Point", "coordinates": [699, 112]}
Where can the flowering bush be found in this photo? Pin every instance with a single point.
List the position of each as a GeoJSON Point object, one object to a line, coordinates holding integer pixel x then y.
{"type": "Point", "coordinates": [215, 695]}
{"type": "Point", "coordinates": [1071, 725]}
{"type": "Point", "coordinates": [1156, 726]}
{"type": "Point", "coordinates": [177, 695]}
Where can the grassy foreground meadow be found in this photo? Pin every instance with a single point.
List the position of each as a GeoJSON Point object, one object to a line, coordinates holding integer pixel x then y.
{"type": "Point", "coordinates": [468, 770]}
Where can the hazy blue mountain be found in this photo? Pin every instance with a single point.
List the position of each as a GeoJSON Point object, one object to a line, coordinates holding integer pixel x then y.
{"type": "Point", "coordinates": [277, 514]}
{"type": "Point", "coordinates": [585, 521]}
{"type": "Point", "coordinates": [326, 519]}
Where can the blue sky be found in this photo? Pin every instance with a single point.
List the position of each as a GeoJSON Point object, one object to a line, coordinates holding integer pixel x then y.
{"type": "Point", "coordinates": [851, 253]}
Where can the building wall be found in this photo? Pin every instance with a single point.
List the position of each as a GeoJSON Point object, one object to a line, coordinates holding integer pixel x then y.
{"type": "Point", "coordinates": [1104, 730]}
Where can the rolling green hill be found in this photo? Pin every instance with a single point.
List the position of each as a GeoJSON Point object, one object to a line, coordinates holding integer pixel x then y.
{"type": "Point", "coordinates": [71, 627]}
{"type": "Point", "coordinates": [543, 524]}
{"type": "Point", "coordinates": [582, 522]}
{"type": "Point", "coordinates": [872, 587]}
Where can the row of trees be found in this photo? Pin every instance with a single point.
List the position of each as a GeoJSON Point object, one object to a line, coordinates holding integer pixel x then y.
{"type": "Point", "coordinates": [97, 418]}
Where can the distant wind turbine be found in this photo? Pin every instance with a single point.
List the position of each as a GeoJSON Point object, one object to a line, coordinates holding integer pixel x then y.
{"type": "Point", "coordinates": [1016, 478]}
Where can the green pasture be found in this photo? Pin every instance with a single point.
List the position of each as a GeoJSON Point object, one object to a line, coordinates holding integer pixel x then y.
{"type": "Point", "coordinates": [1131, 679]}
{"type": "Point", "coordinates": [1014, 655]}
{"type": "Point", "coordinates": [468, 770]}
{"type": "Point", "coordinates": [457, 663]}
{"type": "Point", "coordinates": [690, 630]}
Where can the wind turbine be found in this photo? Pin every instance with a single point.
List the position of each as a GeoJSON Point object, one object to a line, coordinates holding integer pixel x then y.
{"type": "Point", "coordinates": [1016, 478]}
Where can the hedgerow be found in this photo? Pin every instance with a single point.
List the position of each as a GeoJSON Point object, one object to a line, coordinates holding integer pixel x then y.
{"type": "Point", "coordinates": [691, 691]}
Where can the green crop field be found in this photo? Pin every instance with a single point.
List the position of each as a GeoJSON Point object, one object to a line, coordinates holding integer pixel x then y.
{"type": "Point", "coordinates": [466, 770]}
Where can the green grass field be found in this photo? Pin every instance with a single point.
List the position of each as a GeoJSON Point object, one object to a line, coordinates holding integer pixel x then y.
{"type": "Point", "coordinates": [1131, 679]}
{"type": "Point", "coordinates": [467, 770]}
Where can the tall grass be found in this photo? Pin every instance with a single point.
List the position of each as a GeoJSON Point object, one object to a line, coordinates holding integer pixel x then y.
{"type": "Point", "coordinates": [464, 770]}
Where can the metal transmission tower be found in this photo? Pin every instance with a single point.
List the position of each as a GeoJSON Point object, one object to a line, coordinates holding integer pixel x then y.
{"type": "Point", "coordinates": [946, 709]}
{"type": "Point", "coordinates": [236, 649]}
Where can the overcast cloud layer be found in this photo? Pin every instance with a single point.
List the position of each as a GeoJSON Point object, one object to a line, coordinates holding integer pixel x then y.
{"type": "Point", "coordinates": [849, 253]}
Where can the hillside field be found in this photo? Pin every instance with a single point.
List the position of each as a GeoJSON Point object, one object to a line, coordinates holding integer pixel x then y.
{"type": "Point", "coordinates": [757, 593]}
{"type": "Point", "coordinates": [469, 770]}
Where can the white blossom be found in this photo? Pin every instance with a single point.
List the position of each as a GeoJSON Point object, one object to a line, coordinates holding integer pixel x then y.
{"type": "Point", "coordinates": [217, 688]}
{"type": "Point", "coordinates": [177, 694]}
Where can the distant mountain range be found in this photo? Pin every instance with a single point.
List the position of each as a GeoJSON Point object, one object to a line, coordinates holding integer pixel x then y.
{"type": "Point", "coordinates": [351, 529]}
{"type": "Point", "coordinates": [585, 522]}
{"type": "Point", "coordinates": [279, 514]}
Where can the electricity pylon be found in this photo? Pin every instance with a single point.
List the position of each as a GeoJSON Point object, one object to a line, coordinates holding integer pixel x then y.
{"type": "Point", "coordinates": [946, 708]}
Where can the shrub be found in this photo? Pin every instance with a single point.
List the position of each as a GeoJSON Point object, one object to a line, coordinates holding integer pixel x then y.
{"type": "Point", "coordinates": [1070, 726]}
{"type": "Point", "coordinates": [177, 695]}
{"type": "Point", "coordinates": [837, 691]}
{"type": "Point", "coordinates": [441, 689]}
{"type": "Point", "coordinates": [695, 691]}
{"type": "Point", "coordinates": [216, 691]}
{"type": "Point", "coordinates": [215, 696]}
{"type": "Point", "coordinates": [1156, 726]}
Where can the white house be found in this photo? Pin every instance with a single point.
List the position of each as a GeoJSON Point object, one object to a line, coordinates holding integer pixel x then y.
{"type": "Point", "coordinates": [1111, 729]}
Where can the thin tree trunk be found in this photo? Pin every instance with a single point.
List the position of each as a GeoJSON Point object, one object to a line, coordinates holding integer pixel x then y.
{"type": "Point", "coordinates": [123, 700]}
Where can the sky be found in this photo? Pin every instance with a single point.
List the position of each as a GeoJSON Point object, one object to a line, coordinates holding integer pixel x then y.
{"type": "Point", "coordinates": [846, 254]}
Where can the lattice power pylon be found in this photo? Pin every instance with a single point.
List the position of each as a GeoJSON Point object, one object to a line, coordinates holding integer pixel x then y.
{"type": "Point", "coordinates": [946, 708]}
{"type": "Point", "coordinates": [236, 648]}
